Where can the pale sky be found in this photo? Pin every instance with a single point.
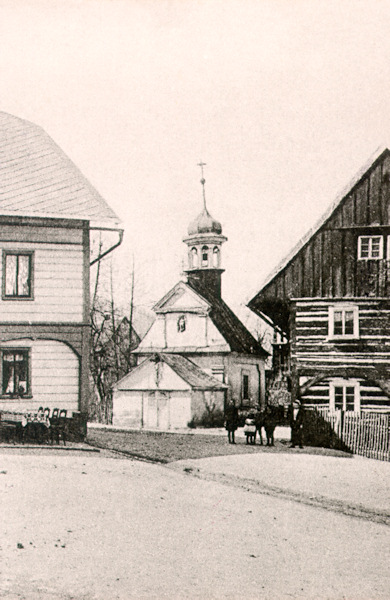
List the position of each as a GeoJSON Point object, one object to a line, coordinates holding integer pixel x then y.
{"type": "Point", "coordinates": [283, 100]}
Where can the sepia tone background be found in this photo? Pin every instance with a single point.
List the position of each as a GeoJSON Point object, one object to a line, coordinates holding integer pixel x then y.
{"type": "Point", "coordinates": [284, 101]}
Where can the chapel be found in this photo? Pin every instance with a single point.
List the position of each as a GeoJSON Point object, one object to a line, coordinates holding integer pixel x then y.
{"type": "Point", "coordinates": [198, 356]}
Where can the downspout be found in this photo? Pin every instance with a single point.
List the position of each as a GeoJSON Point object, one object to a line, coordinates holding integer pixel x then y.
{"type": "Point", "coordinates": [95, 260]}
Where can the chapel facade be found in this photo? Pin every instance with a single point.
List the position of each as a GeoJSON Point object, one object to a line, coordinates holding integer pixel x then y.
{"type": "Point", "coordinates": [197, 356]}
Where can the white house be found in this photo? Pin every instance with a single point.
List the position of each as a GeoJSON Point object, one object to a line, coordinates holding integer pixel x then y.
{"type": "Point", "coordinates": [48, 212]}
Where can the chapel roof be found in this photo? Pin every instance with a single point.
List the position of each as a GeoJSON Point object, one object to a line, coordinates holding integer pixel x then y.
{"type": "Point", "coordinates": [228, 324]}
{"type": "Point", "coordinates": [190, 372]}
{"type": "Point", "coordinates": [204, 223]}
{"type": "Point", "coordinates": [37, 179]}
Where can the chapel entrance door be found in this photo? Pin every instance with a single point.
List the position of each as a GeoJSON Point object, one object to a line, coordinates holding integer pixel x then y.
{"type": "Point", "coordinates": [163, 410]}
{"type": "Point", "coordinates": [151, 411]}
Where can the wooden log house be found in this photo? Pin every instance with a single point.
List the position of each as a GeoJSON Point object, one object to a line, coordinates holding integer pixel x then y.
{"type": "Point", "coordinates": [329, 301]}
{"type": "Point", "coordinates": [48, 213]}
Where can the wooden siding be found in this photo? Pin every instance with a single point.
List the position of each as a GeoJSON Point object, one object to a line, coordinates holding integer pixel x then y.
{"type": "Point", "coordinates": [324, 270]}
{"type": "Point", "coordinates": [33, 234]}
{"type": "Point", "coordinates": [71, 334]}
{"type": "Point", "coordinates": [311, 328]}
{"type": "Point", "coordinates": [58, 284]}
{"type": "Point", "coordinates": [372, 397]}
{"type": "Point", "coordinates": [55, 378]}
{"type": "Point", "coordinates": [327, 265]}
{"type": "Point", "coordinates": [366, 358]}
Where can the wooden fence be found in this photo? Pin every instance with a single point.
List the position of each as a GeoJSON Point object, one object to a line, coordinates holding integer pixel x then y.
{"type": "Point", "coordinates": [367, 434]}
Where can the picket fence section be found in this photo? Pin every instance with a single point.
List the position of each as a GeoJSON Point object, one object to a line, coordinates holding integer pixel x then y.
{"type": "Point", "coordinates": [367, 434]}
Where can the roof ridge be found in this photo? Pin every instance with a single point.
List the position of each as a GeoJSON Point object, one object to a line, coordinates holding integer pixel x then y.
{"type": "Point", "coordinates": [340, 196]}
{"type": "Point", "coordinates": [221, 314]}
{"type": "Point", "coordinates": [32, 158]}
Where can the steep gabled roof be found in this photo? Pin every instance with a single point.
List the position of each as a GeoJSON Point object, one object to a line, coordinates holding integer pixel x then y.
{"type": "Point", "coordinates": [376, 157]}
{"type": "Point", "coordinates": [37, 179]}
{"type": "Point", "coordinates": [324, 264]}
{"type": "Point", "coordinates": [230, 326]}
{"type": "Point", "coordinates": [184, 368]}
{"type": "Point", "coordinates": [141, 323]}
{"type": "Point", "coordinates": [191, 373]}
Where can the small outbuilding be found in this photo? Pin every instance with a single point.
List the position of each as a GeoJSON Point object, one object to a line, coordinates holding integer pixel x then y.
{"type": "Point", "coordinates": [165, 391]}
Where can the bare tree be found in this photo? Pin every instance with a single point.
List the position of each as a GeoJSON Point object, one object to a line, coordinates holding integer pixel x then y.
{"type": "Point", "coordinates": [112, 339]}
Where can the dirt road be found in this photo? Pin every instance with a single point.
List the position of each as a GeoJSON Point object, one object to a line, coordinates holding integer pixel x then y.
{"type": "Point", "coordinates": [93, 527]}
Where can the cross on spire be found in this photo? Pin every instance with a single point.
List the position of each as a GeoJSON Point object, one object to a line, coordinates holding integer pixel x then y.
{"type": "Point", "coordinates": [203, 181]}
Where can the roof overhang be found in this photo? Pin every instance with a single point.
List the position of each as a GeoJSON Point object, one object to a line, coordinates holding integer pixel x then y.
{"type": "Point", "coordinates": [255, 298]}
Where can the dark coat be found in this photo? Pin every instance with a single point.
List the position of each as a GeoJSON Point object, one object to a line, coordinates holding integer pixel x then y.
{"type": "Point", "coordinates": [231, 420]}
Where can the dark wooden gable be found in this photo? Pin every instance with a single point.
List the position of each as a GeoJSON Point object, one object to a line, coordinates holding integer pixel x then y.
{"type": "Point", "coordinates": [325, 264]}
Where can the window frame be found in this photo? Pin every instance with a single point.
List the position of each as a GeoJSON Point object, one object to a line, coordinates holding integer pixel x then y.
{"type": "Point", "coordinates": [370, 237]}
{"type": "Point", "coordinates": [245, 401]}
{"type": "Point", "coordinates": [181, 323]}
{"type": "Point", "coordinates": [219, 373]}
{"type": "Point", "coordinates": [17, 253]}
{"type": "Point", "coordinates": [205, 251]}
{"type": "Point", "coordinates": [15, 350]}
{"type": "Point", "coordinates": [344, 383]}
{"type": "Point", "coordinates": [194, 258]}
{"type": "Point", "coordinates": [216, 257]}
{"type": "Point", "coordinates": [343, 308]}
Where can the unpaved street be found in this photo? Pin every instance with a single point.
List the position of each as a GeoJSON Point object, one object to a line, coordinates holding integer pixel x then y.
{"type": "Point", "coordinates": [89, 526]}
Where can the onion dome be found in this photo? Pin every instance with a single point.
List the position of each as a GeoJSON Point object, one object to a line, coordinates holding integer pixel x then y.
{"type": "Point", "coordinates": [204, 223]}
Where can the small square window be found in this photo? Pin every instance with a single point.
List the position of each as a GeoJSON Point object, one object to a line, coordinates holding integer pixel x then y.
{"type": "Point", "coordinates": [344, 395]}
{"type": "Point", "coordinates": [370, 247]}
{"type": "Point", "coordinates": [343, 322]}
{"type": "Point", "coordinates": [17, 275]}
{"type": "Point", "coordinates": [218, 373]}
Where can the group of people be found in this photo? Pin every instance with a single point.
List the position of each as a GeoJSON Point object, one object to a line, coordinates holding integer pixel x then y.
{"type": "Point", "coordinates": [254, 423]}
{"type": "Point", "coordinates": [267, 419]}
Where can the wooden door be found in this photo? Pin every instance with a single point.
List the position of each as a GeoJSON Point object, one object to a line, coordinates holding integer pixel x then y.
{"type": "Point", "coordinates": [162, 410]}
{"type": "Point", "coordinates": [151, 417]}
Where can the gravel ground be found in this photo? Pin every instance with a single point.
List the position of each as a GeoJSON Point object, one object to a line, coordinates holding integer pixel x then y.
{"type": "Point", "coordinates": [89, 527]}
{"type": "Point", "coordinates": [358, 487]}
{"type": "Point", "coordinates": [167, 447]}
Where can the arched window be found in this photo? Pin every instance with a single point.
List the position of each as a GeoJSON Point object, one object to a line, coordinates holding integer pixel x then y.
{"type": "Point", "coordinates": [205, 256]}
{"type": "Point", "coordinates": [194, 258]}
{"type": "Point", "coordinates": [216, 257]}
{"type": "Point", "coordinates": [181, 324]}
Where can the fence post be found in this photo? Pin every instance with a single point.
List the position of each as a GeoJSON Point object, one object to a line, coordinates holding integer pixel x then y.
{"type": "Point", "coordinates": [342, 434]}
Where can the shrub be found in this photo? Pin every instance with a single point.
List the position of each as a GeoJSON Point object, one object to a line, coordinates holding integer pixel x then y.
{"type": "Point", "coordinates": [216, 418]}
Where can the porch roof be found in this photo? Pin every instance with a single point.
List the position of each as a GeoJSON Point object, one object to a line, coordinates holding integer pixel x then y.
{"type": "Point", "coordinates": [190, 372]}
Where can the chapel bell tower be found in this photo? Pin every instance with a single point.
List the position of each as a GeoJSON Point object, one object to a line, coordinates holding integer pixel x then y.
{"type": "Point", "coordinates": [204, 243]}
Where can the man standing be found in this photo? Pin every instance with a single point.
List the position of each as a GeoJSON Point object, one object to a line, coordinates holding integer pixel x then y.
{"type": "Point", "coordinates": [297, 426]}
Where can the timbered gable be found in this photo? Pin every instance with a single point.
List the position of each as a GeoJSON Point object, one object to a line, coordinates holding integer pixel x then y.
{"type": "Point", "coordinates": [330, 299]}
{"type": "Point", "coordinates": [346, 255]}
